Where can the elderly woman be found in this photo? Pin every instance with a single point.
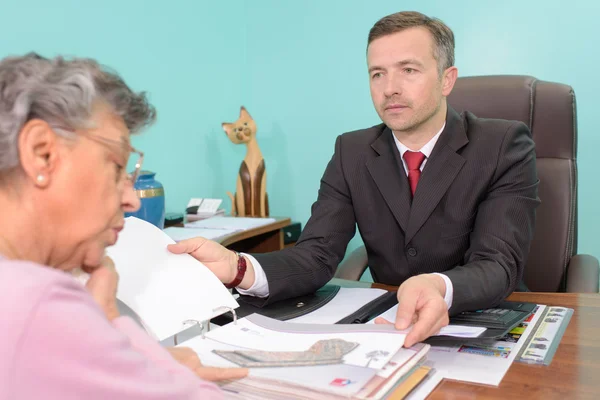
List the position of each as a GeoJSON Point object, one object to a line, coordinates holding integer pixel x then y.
{"type": "Point", "coordinates": [64, 148]}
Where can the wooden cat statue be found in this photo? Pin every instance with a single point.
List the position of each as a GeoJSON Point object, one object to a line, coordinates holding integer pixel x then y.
{"type": "Point", "coordinates": [250, 199]}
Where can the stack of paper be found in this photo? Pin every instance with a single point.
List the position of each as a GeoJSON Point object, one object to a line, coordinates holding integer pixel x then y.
{"type": "Point", "coordinates": [237, 223]}
{"type": "Point", "coordinates": [204, 215]}
{"type": "Point", "coordinates": [308, 361]}
{"type": "Point", "coordinates": [216, 227]}
{"type": "Point", "coordinates": [178, 234]}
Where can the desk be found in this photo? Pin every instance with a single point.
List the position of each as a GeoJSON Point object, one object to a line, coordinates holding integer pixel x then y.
{"type": "Point", "coordinates": [575, 369]}
{"type": "Point", "coordinates": [263, 239]}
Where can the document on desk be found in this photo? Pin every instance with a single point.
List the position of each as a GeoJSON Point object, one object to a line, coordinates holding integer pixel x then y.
{"type": "Point", "coordinates": [308, 361]}
{"type": "Point", "coordinates": [460, 331]}
{"type": "Point", "coordinates": [348, 300]}
{"type": "Point", "coordinates": [164, 289]}
{"type": "Point", "coordinates": [236, 223]}
{"type": "Point", "coordinates": [485, 364]}
{"type": "Point", "coordinates": [178, 233]}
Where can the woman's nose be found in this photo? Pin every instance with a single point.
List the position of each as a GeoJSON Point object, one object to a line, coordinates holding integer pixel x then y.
{"type": "Point", "coordinates": [130, 201]}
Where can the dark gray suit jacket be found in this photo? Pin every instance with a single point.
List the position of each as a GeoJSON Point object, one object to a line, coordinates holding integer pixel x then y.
{"type": "Point", "coordinates": [472, 216]}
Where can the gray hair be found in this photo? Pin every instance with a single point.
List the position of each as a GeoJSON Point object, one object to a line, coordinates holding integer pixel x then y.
{"type": "Point", "coordinates": [61, 92]}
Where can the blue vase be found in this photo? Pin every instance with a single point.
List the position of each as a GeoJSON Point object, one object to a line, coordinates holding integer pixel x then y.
{"type": "Point", "coordinates": [152, 197]}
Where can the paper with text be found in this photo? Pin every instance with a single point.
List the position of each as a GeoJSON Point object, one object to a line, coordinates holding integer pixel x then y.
{"type": "Point", "coordinates": [376, 344]}
{"type": "Point", "coordinates": [482, 363]}
{"type": "Point", "coordinates": [374, 347]}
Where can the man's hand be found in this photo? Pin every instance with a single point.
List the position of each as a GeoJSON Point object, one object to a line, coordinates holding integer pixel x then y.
{"type": "Point", "coordinates": [221, 261]}
{"type": "Point", "coordinates": [421, 302]}
{"type": "Point", "coordinates": [188, 358]}
{"type": "Point", "coordinates": [103, 286]}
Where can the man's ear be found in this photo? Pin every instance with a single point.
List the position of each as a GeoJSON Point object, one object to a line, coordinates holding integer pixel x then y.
{"type": "Point", "coordinates": [448, 80]}
{"type": "Point", "coordinates": [38, 151]}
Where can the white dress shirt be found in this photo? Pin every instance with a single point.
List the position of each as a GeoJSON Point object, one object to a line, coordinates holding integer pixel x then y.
{"type": "Point", "coordinates": [261, 285]}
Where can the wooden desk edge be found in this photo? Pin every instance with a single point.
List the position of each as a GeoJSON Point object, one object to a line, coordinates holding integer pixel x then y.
{"type": "Point", "coordinates": [547, 298]}
{"type": "Point", "coordinates": [280, 222]}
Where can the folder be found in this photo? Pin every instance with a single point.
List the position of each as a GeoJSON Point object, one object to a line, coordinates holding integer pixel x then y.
{"type": "Point", "coordinates": [168, 292]}
{"type": "Point", "coordinates": [309, 361]}
{"type": "Point", "coordinates": [295, 307]}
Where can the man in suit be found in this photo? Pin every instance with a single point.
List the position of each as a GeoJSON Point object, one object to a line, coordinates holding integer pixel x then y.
{"type": "Point", "coordinates": [445, 203]}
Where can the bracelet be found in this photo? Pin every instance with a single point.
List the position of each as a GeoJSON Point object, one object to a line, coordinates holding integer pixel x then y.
{"type": "Point", "coordinates": [241, 271]}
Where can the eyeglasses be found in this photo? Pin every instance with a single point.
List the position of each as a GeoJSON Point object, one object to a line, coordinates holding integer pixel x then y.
{"type": "Point", "coordinates": [126, 149]}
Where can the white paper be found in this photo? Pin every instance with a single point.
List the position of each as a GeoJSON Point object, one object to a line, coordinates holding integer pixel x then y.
{"type": "Point", "coordinates": [299, 337]}
{"type": "Point", "coordinates": [194, 202]}
{"type": "Point", "coordinates": [178, 233]}
{"type": "Point", "coordinates": [319, 379]}
{"type": "Point", "coordinates": [450, 330]}
{"type": "Point", "coordinates": [462, 331]}
{"type": "Point", "coordinates": [406, 366]}
{"type": "Point", "coordinates": [400, 358]}
{"type": "Point", "coordinates": [345, 302]}
{"type": "Point", "coordinates": [238, 223]}
{"type": "Point", "coordinates": [164, 289]}
{"type": "Point", "coordinates": [375, 349]}
{"type": "Point", "coordinates": [484, 364]}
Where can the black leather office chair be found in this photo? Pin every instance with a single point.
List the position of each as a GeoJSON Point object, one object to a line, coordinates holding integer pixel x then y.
{"type": "Point", "coordinates": [549, 109]}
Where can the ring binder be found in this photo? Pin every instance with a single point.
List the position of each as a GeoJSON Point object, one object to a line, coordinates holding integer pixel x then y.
{"type": "Point", "coordinates": [177, 292]}
{"type": "Point", "coordinates": [224, 310]}
{"type": "Point", "coordinates": [220, 310]}
{"type": "Point", "coordinates": [189, 321]}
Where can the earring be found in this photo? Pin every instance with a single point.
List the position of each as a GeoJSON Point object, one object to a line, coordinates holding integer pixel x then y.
{"type": "Point", "coordinates": [40, 178]}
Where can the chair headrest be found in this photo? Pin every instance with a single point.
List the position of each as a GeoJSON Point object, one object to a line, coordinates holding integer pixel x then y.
{"type": "Point", "coordinates": [547, 108]}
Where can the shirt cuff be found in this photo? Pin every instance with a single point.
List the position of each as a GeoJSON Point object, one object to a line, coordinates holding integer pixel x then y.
{"type": "Point", "coordinates": [449, 289]}
{"type": "Point", "coordinates": [260, 288]}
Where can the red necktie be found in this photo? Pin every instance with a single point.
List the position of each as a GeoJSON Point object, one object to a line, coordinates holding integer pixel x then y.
{"type": "Point", "coordinates": [413, 162]}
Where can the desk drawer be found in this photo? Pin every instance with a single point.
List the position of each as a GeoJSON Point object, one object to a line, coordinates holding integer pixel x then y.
{"type": "Point", "coordinates": [291, 233]}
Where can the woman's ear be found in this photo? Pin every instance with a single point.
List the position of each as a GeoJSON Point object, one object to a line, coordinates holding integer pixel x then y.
{"type": "Point", "coordinates": [38, 151]}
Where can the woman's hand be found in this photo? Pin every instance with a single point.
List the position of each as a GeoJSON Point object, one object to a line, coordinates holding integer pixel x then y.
{"type": "Point", "coordinates": [102, 285]}
{"type": "Point", "coordinates": [188, 358]}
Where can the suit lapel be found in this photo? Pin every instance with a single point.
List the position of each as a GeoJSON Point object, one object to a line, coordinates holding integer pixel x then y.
{"type": "Point", "coordinates": [388, 173]}
{"type": "Point", "coordinates": [440, 170]}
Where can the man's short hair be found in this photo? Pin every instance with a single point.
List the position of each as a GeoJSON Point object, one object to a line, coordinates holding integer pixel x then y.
{"type": "Point", "coordinates": [443, 49]}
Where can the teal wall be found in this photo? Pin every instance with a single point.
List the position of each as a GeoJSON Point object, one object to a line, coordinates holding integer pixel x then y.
{"type": "Point", "coordinates": [308, 78]}
{"type": "Point", "coordinates": [299, 68]}
{"type": "Point", "coordinates": [189, 55]}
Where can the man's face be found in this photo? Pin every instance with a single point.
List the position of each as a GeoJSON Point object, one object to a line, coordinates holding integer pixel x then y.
{"type": "Point", "coordinates": [406, 88]}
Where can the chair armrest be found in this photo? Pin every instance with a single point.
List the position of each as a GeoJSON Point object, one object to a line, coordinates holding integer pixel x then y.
{"type": "Point", "coordinates": [353, 266]}
{"type": "Point", "coordinates": [582, 274]}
